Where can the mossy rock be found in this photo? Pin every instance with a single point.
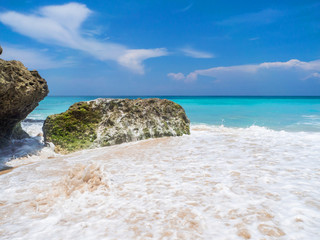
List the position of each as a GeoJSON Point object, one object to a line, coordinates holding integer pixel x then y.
{"type": "Point", "coordinates": [74, 129]}
{"type": "Point", "coordinates": [105, 122]}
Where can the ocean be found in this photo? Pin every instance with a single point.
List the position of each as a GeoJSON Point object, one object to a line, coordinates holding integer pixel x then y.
{"type": "Point", "coordinates": [249, 170]}
{"type": "Point", "coordinates": [277, 113]}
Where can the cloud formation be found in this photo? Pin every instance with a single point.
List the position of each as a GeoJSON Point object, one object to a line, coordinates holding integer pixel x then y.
{"type": "Point", "coordinates": [32, 58]}
{"type": "Point", "coordinates": [314, 75]}
{"type": "Point", "coordinates": [61, 25]}
{"type": "Point", "coordinates": [190, 52]}
{"type": "Point", "coordinates": [133, 58]}
{"type": "Point", "coordinates": [254, 71]}
{"type": "Point", "coordinates": [176, 76]}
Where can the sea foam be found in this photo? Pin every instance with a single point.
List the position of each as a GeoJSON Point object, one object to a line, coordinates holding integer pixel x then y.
{"type": "Point", "coordinates": [217, 183]}
{"type": "Point", "coordinates": [25, 147]}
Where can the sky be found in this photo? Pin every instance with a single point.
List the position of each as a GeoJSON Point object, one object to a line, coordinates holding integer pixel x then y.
{"type": "Point", "coordinates": [159, 47]}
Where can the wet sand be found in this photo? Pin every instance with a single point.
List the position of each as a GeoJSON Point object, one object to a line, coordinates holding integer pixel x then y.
{"type": "Point", "coordinates": [6, 170]}
{"type": "Point", "coordinates": [218, 183]}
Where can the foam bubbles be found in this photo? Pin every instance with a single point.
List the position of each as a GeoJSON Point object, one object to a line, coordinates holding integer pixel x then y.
{"type": "Point", "coordinates": [217, 183]}
{"type": "Point", "coordinates": [32, 127]}
{"type": "Point", "coordinates": [26, 150]}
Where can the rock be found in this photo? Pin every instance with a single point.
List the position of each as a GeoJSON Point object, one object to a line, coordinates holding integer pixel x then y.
{"type": "Point", "coordinates": [104, 122]}
{"type": "Point", "coordinates": [20, 92]}
{"type": "Point", "coordinates": [18, 132]}
{"type": "Point", "coordinates": [0, 50]}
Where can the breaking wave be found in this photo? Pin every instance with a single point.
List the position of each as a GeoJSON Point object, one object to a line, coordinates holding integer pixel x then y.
{"type": "Point", "coordinates": [190, 187]}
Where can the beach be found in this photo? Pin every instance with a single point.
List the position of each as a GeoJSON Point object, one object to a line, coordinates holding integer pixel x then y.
{"type": "Point", "coordinates": [219, 182]}
{"type": "Point", "coordinates": [160, 120]}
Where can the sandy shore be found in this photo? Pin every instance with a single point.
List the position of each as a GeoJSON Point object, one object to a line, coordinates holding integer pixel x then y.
{"type": "Point", "coordinates": [190, 187]}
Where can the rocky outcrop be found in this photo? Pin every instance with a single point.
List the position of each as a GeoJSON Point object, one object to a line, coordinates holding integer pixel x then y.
{"type": "Point", "coordinates": [104, 122]}
{"type": "Point", "coordinates": [20, 92]}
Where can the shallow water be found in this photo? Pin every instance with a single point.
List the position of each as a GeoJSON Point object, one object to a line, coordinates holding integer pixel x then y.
{"type": "Point", "coordinates": [217, 183]}
{"type": "Point", "coordinates": [278, 113]}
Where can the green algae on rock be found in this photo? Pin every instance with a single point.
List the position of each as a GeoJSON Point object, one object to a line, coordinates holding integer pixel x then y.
{"type": "Point", "coordinates": [105, 122]}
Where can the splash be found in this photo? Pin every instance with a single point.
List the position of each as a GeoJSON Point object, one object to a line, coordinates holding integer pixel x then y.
{"type": "Point", "coordinates": [84, 178]}
{"type": "Point", "coordinates": [217, 183]}
{"type": "Point", "coordinates": [22, 149]}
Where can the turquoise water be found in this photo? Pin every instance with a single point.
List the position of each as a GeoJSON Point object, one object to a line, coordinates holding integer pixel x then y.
{"type": "Point", "coordinates": [279, 113]}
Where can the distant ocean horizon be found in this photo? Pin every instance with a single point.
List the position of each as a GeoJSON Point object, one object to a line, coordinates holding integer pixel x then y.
{"type": "Point", "coordinates": [290, 113]}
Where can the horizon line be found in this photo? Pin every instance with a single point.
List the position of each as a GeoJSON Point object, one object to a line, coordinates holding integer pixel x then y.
{"type": "Point", "coordinates": [183, 95]}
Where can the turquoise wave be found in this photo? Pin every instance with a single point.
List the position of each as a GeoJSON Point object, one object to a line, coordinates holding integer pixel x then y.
{"type": "Point", "coordinates": [278, 113]}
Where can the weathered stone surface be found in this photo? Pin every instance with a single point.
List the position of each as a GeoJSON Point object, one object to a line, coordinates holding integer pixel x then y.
{"type": "Point", "coordinates": [18, 132]}
{"type": "Point", "coordinates": [20, 92]}
{"type": "Point", "coordinates": [104, 122]}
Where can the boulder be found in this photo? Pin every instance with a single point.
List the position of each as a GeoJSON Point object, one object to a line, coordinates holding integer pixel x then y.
{"type": "Point", "coordinates": [20, 92]}
{"type": "Point", "coordinates": [105, 122]}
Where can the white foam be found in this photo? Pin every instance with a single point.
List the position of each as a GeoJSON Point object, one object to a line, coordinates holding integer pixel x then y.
{"type": "Point", "coordinates": [28, 149]}
{"type": "Point", "coordinates": [33, 128]}
{"type": "Point", "coordinates": [217, 183]}
{"type": "Point", "coordinates": [311, 121]}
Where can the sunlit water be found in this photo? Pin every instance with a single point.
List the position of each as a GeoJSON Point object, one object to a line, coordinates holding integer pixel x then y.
{"type": "Point", "coordinates": [279, 113]}
{"type": "Point", "coordinates": [220, 182]}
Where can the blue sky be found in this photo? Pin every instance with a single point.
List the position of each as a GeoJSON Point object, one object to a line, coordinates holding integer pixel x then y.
{"type": "Point", "coordinates": [167, 47]}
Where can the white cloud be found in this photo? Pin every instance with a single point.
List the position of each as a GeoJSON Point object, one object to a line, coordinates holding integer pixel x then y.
{"type": "Point", "coordinates": [69, 15]}
{"type": "Point", "coordinates": [302, 69]}
{"type": "Point", "coordinates": [316, 75]}
{"type": "Point", "coordinates": [61, 25]}
{"type": "Point", "coordinates": [32, 58]}
{"type": "Point", "coordinates": [312, 76]}
{"type": "Point", "coordinates": [190, 52]}
{"type": "Point", "coordinates": [176, 76]}
{"type": "Point", "coordinates": [133, 58]}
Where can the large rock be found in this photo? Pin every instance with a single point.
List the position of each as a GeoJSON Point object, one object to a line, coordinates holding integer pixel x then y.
{"type": "Point", "coordinates": [20, 92]}
{"type": "Point", "coordinates": [104, 122]}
